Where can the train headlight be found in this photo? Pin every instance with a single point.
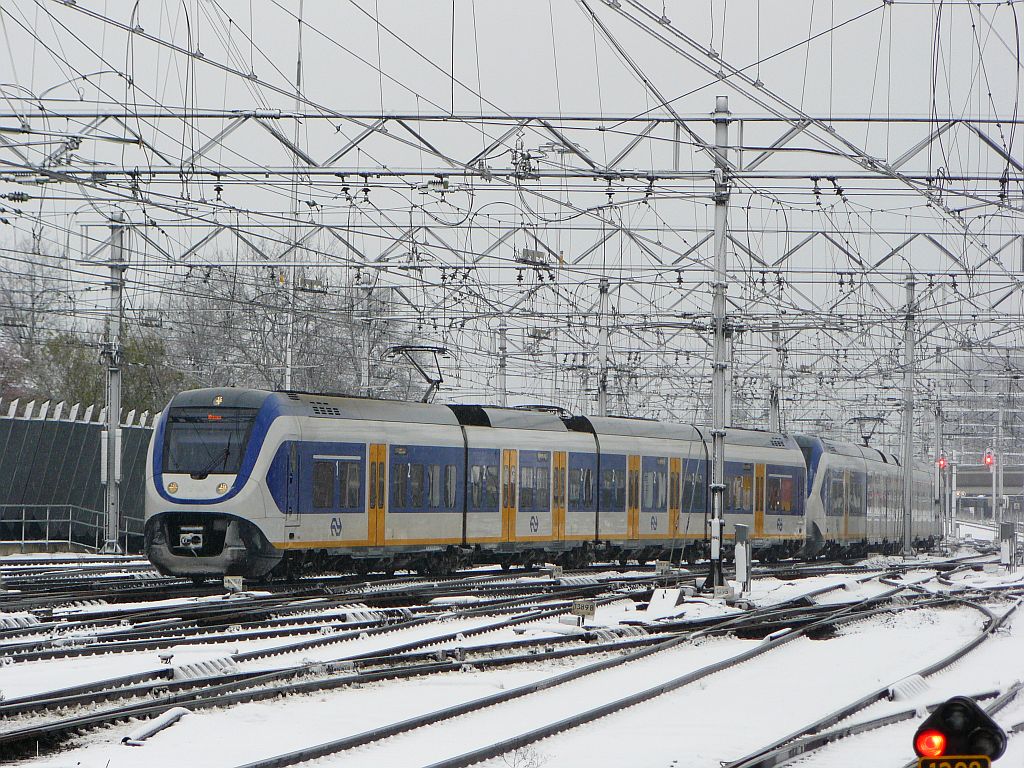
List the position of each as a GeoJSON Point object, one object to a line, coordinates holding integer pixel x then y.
{"type": "Point", "coordinates": [222, 488]}
{"type": "Point", "coordinates": [172, 487]}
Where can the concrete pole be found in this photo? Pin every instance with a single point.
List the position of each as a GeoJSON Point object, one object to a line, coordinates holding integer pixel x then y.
{"type": "Point", "coordinates": [995, 503]}
{"type": "Point", "coordinates": [502, 363]}
{"type": "Point", "coordinates": [111, 437]}
{"type": "Point", "coordinates": [602, 349]}
{"type": "Point", "coordinates": [999, 465]}
{"type": "Point", "coordinates": [775, 390]}
{"type": "Point", "coordinates": [720, 373]}
{"type": "Point", "coordinates": [953, 502]}
{"type": "Point", "coordinates": [368, 359]}
{"type": "Point", "coordinates": [937, 495]}
{"type": "Point", "coordinates": [908, 422]}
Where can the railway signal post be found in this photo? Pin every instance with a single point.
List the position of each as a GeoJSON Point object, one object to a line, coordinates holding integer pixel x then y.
{"type": "Point", "coordinates": [720, 366]}
{"type": "Point", "coordinates": [959, 732]}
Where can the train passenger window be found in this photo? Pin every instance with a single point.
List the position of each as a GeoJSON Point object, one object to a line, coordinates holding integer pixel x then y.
{"type": "Point", "coordinates": [779, 494]}
{"type": "Point", "coordinates": [542, 489]}
{"type": "Point", "coordinates": [856, 496]}
{"type": "Point", "coordinates": [659, 478]}
{"type": "Point", "coordinates": [588, 486]}
{"type": "Point", "coordinates": [400, 485]}
{"type": "Point", "coordinates": [434, 486]}
{"type": "Point", "coordinates": [491, 486]}
{"type": "Point", "coordinates": [575, 485]}
{"type": "Point", "coordinates": [476, 486]}
{"type": "Point", "coordinates": [351, 480]}
{"type": "Point", "coordinates": [613, 489]}
{"type": "Point", "coordinates": [323, 484]}
{"type": "Point", "coordinates": [450, 475]}
{"type": "Point", "coordinates": [650, 489]}
{"type": "Point", "coordinates": [416, 485]}
{"type": "Point", "coordinates": [526, 487]}
{"type": "Point", "coordinates": [673, 490]}
{"type": "Point", "coordinates": [837, 496]}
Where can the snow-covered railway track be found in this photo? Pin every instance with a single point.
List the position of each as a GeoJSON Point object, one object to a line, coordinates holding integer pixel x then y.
{"type": "Point", "coordinates": [557, 687]}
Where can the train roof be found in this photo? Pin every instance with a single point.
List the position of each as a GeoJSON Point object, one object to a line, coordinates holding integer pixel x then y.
{"type": "Point", "coordinates": [617, 425]}
{"type": "Point", "coordinates": [758, 438]}
{"type": "Point", "coordinates": [369, 409]}
{"type": "Point", "coordinates": [507, 418]}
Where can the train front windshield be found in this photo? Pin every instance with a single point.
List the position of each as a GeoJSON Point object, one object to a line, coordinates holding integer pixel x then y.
{"type": "Point", "coordinates": [206, 441]}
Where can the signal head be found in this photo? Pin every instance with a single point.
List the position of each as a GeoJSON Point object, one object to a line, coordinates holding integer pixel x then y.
{"type": "Point", "coordinates": [959, 727]}
{"type": "Point", "coordinates": [930, 743]}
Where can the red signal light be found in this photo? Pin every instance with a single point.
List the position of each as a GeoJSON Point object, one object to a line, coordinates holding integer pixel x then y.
{"type": "Point", "coordinates": [989, 459]}
{"type": "Point", "coordinates": [942, 462]}
{"type": "Point", "coordinates": [930, 743]}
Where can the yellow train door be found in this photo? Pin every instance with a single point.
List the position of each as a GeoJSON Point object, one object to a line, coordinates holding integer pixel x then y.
{"type": "Point", "coordinates": [759, 473]}
{"type": "Point", "coordinates": [559, 495]}
{"type": "Point", "coordinates": [509, 487]}
{"type": "Point", "coordinates": [377, 495]}
{"type": "Point", "coordinates": [633, 498]}
{"type": "Point", "coordinates": [674, 495]}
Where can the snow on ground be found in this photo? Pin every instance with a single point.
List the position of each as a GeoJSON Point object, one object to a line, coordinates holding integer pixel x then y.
{"type": "Point", "coordinates": [995, 666]}
{"type": "Point", "coordinates": [736, 711]}
{"type": "Point", "coordinates": [717, 719]}
{"type": "Point", "coordinates": [222, 738]}
{"type": "Point", "coordinates": [33, 677]}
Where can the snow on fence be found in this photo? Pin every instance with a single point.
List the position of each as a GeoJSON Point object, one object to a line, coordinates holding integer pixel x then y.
{"type": "Point", "coordinates": [50, 492]}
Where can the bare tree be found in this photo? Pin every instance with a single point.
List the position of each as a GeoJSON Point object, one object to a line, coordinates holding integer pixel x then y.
{"type": "Point", "coordinates": [231, 328]}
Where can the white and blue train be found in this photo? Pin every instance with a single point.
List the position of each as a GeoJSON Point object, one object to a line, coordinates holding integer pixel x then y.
{"type": "Point", "coordinates": [257, 483]}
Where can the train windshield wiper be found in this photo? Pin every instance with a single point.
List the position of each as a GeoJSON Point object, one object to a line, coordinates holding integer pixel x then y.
{"type": "Point", "coordinates": [221, 456]}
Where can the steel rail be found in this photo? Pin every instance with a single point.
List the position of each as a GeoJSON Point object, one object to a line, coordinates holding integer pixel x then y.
{"type": "Point", "coordinates": [812, 736]}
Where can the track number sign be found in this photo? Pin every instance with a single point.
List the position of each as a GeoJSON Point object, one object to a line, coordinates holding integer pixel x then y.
{"type": "Point", "coordinates": [584, 608]}
{"type": "Point", "coordinates": [955, 761]}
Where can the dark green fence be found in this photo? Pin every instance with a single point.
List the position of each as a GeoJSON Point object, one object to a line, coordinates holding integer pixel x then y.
{"type": "Point", "coordinates": [50, 491]}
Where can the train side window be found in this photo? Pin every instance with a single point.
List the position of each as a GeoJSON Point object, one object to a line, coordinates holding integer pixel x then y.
{"type": "Point", "coordinates": [416, 483]}
{"type": "Point", "coordinates": [526, 487]}
{"type": "Point", "coordinates": [450, 475]}
{"type": "Point", "coordinates": [434, 486]}
{"type": "Point", "coordinates": [673, 490]}
{"type": "Point", "coordinates": [837, 496]}
{"type": "Point", "coordinates": [542, 489]}
{"type": "Point", "coordinates": [575, 485]}
{"type": "Point", "coordinates": [400, 485]}
{"type": "Point", "coordinates": [650, 488]}
{"type": "Point", "coordinates": [779, 494]}
{"type": "Point", "coordinates": [351, 480]}
{"type": "Point", "coordinates": [588, 486]}
{"type": "Point", "coordinates": [491, 478]}
{"type": "Point", "coordinates": [608, 489]}
{"type": "Point", "coordinates": [323, 484]}
{"type": "Point", "coordinates": [694, 492]}
{"type": "Point", "coordinates": [476, 486]}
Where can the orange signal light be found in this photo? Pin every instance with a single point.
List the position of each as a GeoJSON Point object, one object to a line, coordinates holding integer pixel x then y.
{"type": "Point", "coordinates": [930, 743]}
